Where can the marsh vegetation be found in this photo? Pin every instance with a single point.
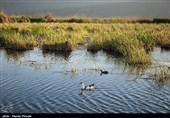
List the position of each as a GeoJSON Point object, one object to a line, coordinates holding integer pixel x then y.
{"type": "Point", "coordinates": [130, 39]}
{"type": "Point", "coordinates": [48, 18]}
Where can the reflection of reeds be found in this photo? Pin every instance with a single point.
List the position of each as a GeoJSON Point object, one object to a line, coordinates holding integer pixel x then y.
{"type": "Point", "coordinates": [14, 55]}
{"type": "Point", "coordinates": [56, 54]}
{"type": "Point", "coordinates": [165, 47]}
{"type": "Point", "coordinates": [94, 47]}
{"type": "Point", "coordinates": [66, 46]}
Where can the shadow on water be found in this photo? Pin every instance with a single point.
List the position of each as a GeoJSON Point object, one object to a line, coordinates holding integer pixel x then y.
{"type": "Point", "coordinates": [57, 54]}
{"type": "Point", "coordinates": [81, 93]}
{"type": "Point", "coordinates": [13, 55]}
{"type": "Point", "coordinates": [112, 54]}
{"type": "Point", "coordinates": [93, 52]}
{"type": "Point", "coordinates": [165, 49]}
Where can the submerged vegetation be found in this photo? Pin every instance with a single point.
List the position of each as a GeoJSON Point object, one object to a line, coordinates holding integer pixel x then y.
{"type": "Point", "coordinates": [158, 73]}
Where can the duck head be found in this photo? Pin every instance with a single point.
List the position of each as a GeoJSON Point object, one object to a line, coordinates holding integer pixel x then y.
{"type": "Point", "coordinates": [82, 85]}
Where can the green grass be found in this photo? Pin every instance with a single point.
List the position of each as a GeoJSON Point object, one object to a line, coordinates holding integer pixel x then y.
{"type": "Point", "coordinates": [131, 41]}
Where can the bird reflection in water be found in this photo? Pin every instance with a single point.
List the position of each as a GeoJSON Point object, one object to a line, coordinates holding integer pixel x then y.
{"type": "Point", "coordinates": [84, 90]}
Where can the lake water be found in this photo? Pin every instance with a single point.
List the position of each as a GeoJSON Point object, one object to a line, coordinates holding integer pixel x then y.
{"type": "Point", "coordinates": [92, 8]}
{"type": "Point", "coordinates": [39, 82]}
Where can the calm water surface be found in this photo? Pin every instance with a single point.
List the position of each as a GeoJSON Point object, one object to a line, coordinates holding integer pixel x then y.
{"type": "Point", "coordinates": [92, 8]}
{"type": "Point", "coordinates": [41, 82]}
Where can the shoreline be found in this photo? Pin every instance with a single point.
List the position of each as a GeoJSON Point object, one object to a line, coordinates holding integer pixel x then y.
{"type": "Point", "coordinates": [49, 18]}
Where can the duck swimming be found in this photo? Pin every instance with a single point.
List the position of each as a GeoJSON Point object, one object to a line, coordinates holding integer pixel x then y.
{"type": "Point", "coordinates": [89, 87]}
{"type": "Point", "coordinates": [103, 72]}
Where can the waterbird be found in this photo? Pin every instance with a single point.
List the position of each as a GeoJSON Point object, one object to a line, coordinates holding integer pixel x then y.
{"type": "Point", "coordinates": [103, 72]}
{"type": "Point", "coordinates": [89, 87]}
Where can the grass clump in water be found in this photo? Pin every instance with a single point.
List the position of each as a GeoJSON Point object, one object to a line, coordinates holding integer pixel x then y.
{"type": "Point", "coordinates": [123, 44]}
{"type": "Point", "coordinates": [160, 75]}
{"type": "Point", "coordinates": [128, 47]}
{"type": "Point", "coordinates": [73, 69]}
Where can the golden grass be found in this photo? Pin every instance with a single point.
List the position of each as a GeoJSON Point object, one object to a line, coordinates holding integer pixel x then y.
{"type": "Point", "coordinates": [129, 40]}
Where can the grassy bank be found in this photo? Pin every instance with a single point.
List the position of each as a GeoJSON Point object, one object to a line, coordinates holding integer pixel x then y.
{"type": "Point", "coordinates": [132, 41]}
{"type": "Point", "coordinates": [49, 18]}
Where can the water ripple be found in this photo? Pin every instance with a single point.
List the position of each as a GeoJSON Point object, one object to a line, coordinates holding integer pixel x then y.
{"type": "Point", "coordinates": [53, 91]}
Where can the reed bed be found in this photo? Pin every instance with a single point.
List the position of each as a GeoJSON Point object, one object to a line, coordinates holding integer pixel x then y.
{"type": "Point", "coordinates": [132, 41]}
